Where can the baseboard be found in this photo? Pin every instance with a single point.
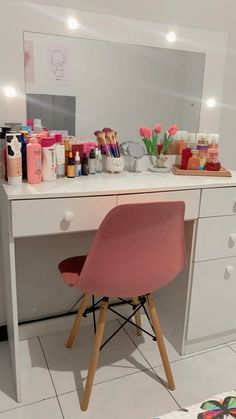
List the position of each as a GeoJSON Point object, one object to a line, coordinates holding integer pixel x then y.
{"type": "Point", "coordinates": [209, 343]}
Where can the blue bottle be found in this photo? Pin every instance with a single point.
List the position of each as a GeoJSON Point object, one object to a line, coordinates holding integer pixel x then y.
{"type": "Point", "coordinates": [23, 152]}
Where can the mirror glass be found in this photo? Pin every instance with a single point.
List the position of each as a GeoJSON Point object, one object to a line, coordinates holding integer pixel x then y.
{"type": "Point", "coordinates": [100, 84]}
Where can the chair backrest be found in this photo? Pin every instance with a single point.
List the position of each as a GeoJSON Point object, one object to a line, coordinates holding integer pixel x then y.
{"type": "Point", "coordinates": [137, 249]}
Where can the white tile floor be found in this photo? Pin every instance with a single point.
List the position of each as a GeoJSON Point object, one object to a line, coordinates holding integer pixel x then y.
{"type": "Point", "coordinates": [126, 383]}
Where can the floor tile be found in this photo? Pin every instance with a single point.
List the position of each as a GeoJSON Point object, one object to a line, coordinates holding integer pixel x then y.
{"type": "Point", "coordinates": [147, 346]}
{"type": "Point", "coordinates": [36, 382]}
{"type": "Point", "coordinates": [69, 367]}
{"type": "Point", "coordinates": [199, 377]}
{"type": "Point", "coordinates": [232, 346]}
{"type": "Point", "coordinates": [45, 409]}
{"type": "Point", "coordinates": [139, 396]}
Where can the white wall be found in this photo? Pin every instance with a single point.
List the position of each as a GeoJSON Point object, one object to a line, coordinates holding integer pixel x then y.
{"type": "Point", "coordinates": [217, 15]}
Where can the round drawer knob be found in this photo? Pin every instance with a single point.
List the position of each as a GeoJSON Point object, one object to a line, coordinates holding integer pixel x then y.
{"type": "Point", "coordinates": [69, 215]}
{"type": "Point", "coordinates": [229, 270]}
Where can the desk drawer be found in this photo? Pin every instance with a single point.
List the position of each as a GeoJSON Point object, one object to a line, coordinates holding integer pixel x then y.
{"type": "Point", "coordinates": [216, 238]}
{"type": "Point", "coordinates": [191, 199]}
{"type": "Point", "coordinates": [218, 201]}
{"type": "Point", "coordinates": [212, 307]}
{"type": "Point", "coordinates": [51, 216]}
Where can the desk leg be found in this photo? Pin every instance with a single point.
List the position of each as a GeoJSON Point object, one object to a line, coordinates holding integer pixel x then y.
{"type": "Point", "coordinates": [10, 293]}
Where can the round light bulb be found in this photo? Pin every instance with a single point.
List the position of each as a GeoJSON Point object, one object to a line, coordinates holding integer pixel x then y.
{"type": "Point", "coordinates": [211, 102]}
{"type": "Point", "coordinates": [9, 91]}
{"type": "Point", "coordinates": [72, 23]}
{"type": "Point", "coordinates": [171, 37]}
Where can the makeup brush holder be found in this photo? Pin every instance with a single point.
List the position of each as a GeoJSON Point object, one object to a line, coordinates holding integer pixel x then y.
{"type": "Point", "coordinates": [114, 164]}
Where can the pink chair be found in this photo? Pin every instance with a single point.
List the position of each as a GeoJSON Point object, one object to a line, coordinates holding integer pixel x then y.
{"type": "Point", "coordinates": [138, 249]}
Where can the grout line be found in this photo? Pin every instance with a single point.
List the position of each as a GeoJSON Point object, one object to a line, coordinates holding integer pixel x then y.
{"type": "Point", "coordinates": [26, 404]}
{"type": "Point", "coordinates": [152, 368]}
{"type": "Point", "coordinates": [40, 343]}
{"type": "Point", "coordinates": [193, 355]}
{"type": "Point", "coordinates": [190, 355]}
{"type": "Point", "coordinates": [76, 390]}
{"type": "Point", "coordinates": [228, 346]}
{"type": "Point", "coordinates": [177, 360]}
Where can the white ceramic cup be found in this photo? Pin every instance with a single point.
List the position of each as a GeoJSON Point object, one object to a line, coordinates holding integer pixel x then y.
{"type": "Point", "coordinates": [114, 165]}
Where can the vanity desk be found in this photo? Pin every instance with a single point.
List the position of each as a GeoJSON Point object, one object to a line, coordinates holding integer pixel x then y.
{"type": "Point", "coordinates": [198, 308]}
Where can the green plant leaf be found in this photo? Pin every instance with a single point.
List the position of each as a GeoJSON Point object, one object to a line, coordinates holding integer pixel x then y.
{"type": "Point", "coordinates": [147, 143]}
{"type": "Point", "coordinates": [166, 142]}
{"type": "Point", "coordinates": [154, 143]}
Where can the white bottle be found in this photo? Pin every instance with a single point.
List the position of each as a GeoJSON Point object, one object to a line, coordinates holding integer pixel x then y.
{"type": "Point", "coordinates": [14, 158]}
{"type": "Point", "coordinates": [37, 125]}
{"type": "Point", "coordinates": [49, 167]}
{"type": "Point", "coordinates": [77, 165]}
{"type": "Point", "coordinates": [98, 161]}
{"type": "Point", "coordinates": [60, 155]}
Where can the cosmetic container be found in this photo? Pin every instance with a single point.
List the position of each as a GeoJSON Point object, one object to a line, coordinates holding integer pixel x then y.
{"type": "Point", "coordinates": [77, 165]}
{"type": "Point", "coordinates": [60, 155]}
{"type": "Point", "coordinates": [14, 158]}
{"type": "Point", "coordinates": [70, 168]}
{"type": "Point", "coordinates": [92, 162]}
{"type": "Point", "coordinates": [33, 153]}
{"type": "Point", "coordinates": [98, 161]}
{"type": "Point", "coordinates": [49, 172]}
{"type": "Point", "coordinates": [194, 161]}
{"type": "Point", "coordinates": [84, 166]}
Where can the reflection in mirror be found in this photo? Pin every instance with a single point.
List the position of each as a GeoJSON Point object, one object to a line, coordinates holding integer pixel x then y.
{"type": "Point", "coordinates": [56, 112]}
{"type": "Point", "coordinates": [113, 84]}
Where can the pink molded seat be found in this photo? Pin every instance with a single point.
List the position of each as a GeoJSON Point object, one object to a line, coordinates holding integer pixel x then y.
{"type": "Point", "coordinates": [138, 249]}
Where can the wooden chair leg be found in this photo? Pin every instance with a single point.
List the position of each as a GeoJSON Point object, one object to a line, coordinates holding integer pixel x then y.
{"type": "Point", "coordinates": [137, 316]}
{"type": "Point", "coordinates": [160, 342]}
{"type": "Point", "coordinates": [77, 321]}
{"type": "Point", "coordinates": [94, 355]}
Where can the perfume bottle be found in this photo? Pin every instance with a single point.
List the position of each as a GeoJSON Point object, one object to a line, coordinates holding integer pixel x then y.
{"type": "Point", "coordinates": [194, 161]}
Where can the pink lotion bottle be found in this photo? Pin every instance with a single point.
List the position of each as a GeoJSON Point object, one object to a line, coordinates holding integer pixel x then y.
{"type": "Point", "coordinates": [34, 158]}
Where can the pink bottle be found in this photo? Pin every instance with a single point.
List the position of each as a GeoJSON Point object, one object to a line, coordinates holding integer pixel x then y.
{"type": "Point", "coordinates": [34, 157]}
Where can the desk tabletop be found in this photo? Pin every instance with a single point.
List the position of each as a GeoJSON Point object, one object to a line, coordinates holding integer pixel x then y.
{"type": "Point", "coordinates": [114, 184]}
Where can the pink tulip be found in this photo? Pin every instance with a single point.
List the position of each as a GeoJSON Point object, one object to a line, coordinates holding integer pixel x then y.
{"type": "Point", "coordinates": [172, 130]}
{"type": "Point", "coordinates": [157, 128]}
{"type": "Point", "coordinates": [147, 132]}
{"type": "Point", "coordinates": [141, 132]}
{"type": "Point", "coordinates": [107, 130]}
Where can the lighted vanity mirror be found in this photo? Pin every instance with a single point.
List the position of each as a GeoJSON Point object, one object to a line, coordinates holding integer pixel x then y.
{"type": "Point", "coordinates": [111, 84]}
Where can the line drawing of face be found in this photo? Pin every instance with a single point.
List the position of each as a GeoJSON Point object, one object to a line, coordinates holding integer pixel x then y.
{"type": "Point", "coordinates": [57, 62]}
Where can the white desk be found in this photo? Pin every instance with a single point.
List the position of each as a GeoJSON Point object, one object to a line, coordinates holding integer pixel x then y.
{"type": "Point", "coordinates": [201, 301]}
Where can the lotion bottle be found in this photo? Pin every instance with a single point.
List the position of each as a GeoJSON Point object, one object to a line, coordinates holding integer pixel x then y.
{"type": "Point", "coordinates": [49, 172]}
{"type": "Point", "coordinates": [60, 155]}
{"type": "Point", "coordinates": [33, 154]}
{"type": "Point", "coordinates": [14, 158]}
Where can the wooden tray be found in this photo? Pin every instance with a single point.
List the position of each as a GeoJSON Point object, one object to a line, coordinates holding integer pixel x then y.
{"type": "Point", "coordinates": [221, 173]}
